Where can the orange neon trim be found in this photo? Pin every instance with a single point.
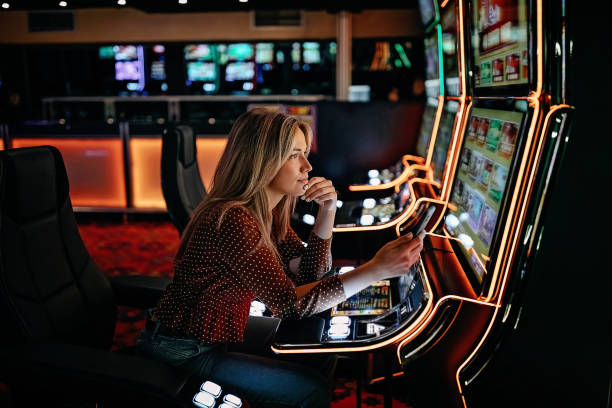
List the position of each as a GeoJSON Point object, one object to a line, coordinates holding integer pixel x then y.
{"type": "Point", "coordinates": [94, 167]}
{"type": "Point", "coordinates": [404, 215]}
{"type": "Point", "coordinates": [434, 131]}
{"type": "Point", "coordinates": [535, 100]}
{"type": "Point", "coordinates": [444, 3]}
{"type": "Point", "coordinates": [378, 379]}
{"type": "Point", "coordinates": [405, 174]}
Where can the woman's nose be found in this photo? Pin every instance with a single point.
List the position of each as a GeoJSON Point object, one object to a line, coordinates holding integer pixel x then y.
{"type": "Point", "coordinates": [306, 165]}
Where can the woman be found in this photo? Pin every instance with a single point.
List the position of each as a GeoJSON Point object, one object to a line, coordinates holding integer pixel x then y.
{"type": "Point", "coordinates": [239, 246]}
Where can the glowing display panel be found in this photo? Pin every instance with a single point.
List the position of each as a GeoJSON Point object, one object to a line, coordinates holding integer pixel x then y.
{"type": "Point", "coordinates": [481, 181]}
{"type": "Point", "coordinates": [428, 11]}
{"type": "Point", "coordinates": [499, 43]}
{"type": "Point", "coordinates": [445, 132]}
{"type": "Point", "coordinates": [145, 163]}
{"type": "Point", "coordinates": [373, 300]}
{"type": "Point", "coordinates": [94, 167]}
{"type": "Point", "coordinates": [432, 65]}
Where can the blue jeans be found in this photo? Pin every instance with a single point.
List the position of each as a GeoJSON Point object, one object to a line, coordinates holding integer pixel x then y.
{"type": "Point", "coordinates": [261, 381]}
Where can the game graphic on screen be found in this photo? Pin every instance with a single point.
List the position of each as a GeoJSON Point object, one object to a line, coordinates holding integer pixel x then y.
{"type": "Point", "coordinates": [127, 70]}
{"type": "Point", "coordinates": [312, 54]}
{"type": "Point", "coordinates": [240, 52]}
{"type": "Point", "coordinates": [198, 52]}
{"type": "Point", "coordinates": [429, 115]}
{"type": "Point", "coordinates": [499, 42]}
{"type": "Point", "coordinates": [373, 300]}
{"type": "Point", "coordinates": [442, 144]}
{"type": "Point", "coordinates": [240, 71]}
{"type": "Point", "coordinates": [479, 187]}
{"type": "Point", "coordinates": [264, 53]}
{"type": "Point", "coordinates": [201, 71]}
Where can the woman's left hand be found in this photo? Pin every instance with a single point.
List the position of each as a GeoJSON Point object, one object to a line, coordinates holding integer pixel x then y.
{"type": "Point", "coordinates": [322, 192]}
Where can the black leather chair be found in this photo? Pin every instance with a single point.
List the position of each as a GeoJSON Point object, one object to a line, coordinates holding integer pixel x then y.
{"type": "Point", "coordinates": [180, 175]}
{"type": "Point", "coordinates": [58, 310]}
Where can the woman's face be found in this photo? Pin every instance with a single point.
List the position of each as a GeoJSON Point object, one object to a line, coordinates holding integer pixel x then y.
{"type": "Point", "coordinates": [293, 175]}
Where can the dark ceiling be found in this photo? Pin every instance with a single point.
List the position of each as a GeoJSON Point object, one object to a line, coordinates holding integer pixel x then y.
{"type": "Point", "coordinates": [173, 6]}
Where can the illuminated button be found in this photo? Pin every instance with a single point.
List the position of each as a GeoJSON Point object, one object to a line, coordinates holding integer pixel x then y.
{"type": "Point", "coordinates": [452, 221]}
{"type": "Point", "coordinates": [204, 400]}
{"type": "Point", "coordinates": [340, 320]}
{"type": "Point", "coordinates": [339, 203]}
{"type": "Point", "coordinates": [211, 388]}
{"type": "Point", "coordinates": [366, 219]}
{"type": "Point", "coordinates": [308, 219]}
{"type": "Point", "coordinates": [226, 405]}
{"type": "Point", "coordinates": [373, 328]}
{"type": "Point", "coordinates": [373, 173]}
{"type": "Point", "coordinates": [466, 240]}
{"type": "Point", "coordinates": [464, 217]}
{"type": "Point", "coordinates": [368, 203]}
{"type": "Point", "coordinates": [338, 331]}
{"type": "Point", "coordinates": [234, 400]}
{"type": "Point", "coordinates": [374, 181]}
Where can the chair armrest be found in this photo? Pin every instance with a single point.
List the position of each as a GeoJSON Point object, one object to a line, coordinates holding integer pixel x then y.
{"type": "Point", "coordinates": [138, 290]}
{"type": "Point", "coordinates": [35, 372]}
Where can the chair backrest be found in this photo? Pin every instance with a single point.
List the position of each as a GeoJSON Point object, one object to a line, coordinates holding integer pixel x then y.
{"type": "Point", "coordinates": [180, 175]}
{"type": "Point", "coordinates": [50, 288]}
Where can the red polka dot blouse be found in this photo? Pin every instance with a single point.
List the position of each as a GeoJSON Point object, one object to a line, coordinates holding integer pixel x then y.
{"type": "Point", "coordinates": [222, 270]}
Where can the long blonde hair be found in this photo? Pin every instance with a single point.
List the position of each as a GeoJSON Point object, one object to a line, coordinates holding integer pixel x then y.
{"type": "Point", "coordinates": [258, 144]}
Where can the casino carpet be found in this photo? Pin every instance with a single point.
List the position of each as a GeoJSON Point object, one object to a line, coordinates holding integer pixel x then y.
{"type": "Point", "coordinates": [147, 248]}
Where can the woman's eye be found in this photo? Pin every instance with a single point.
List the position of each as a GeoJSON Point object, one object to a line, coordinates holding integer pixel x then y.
{"type": "Point", "coordinates": [294, 156]}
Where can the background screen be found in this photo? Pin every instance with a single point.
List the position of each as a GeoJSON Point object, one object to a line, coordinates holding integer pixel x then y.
{"type": "Point", "coordinates": [445, 132]}
{"type": "Point", "coordinates": [373, 300]}
{"type": "Point", "coordinates": [499, 42]}
{"type": "Point", "coordinates": [481, 181]}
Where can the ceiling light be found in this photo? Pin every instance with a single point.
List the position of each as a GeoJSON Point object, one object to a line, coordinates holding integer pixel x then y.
{"type": "Point", "coordinates": [182, 1]}
{"type": "Point", "coordinates": [63, 4]}
{"type": "Point", "coordinates": [121, 2]}
{"type": "Point", "coordinates": [5, 5]}
{"type": "Point", "coordinates": [243, 1]}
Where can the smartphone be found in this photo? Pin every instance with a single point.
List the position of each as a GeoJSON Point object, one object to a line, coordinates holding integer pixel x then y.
{"type": "Point", "coordinates": [422, 223]}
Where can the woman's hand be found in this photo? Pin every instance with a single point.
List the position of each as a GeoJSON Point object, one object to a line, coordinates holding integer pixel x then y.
{"type": "Point", "coordinates": [322, 192]}
{"type": "Point", "coordinates": [396, 257]}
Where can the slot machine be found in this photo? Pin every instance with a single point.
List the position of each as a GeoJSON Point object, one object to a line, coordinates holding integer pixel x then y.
{"type": "Point", "coordinates": [443, 319]}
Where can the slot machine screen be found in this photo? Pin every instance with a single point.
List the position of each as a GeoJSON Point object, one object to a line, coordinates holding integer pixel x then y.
{"type": "Point", "coordinates": [481, 181]}
{"type": "Point", "coordinates": [239, 52]}
{"type": "Point", "coordinates": [264, 53]}
{"type": "Point", "coordinates": [201, 71]}
{"type": "Point", "coordinates": [500, 55]}
{"type": "Point", "coordinates": [312, 54]}
{"type": "Point", "coordinates": [373, 300]}
{"type": "Point", "coordinates": [125, 52]}
{"type": "Point", "coordinates": [240, 71]}
{"type": "Point", "coordinates": [198, 52]}
{"type": "Point", "coordinates": [443, 138]}
{"type": "Point", "coordinates": [127, 70]}
{"type": "Point", "coordinates": [450, 59]}
{"type": "Point", "coordinates": [428, 11]}
{"type": "Point", "coordinates": [429, 115]}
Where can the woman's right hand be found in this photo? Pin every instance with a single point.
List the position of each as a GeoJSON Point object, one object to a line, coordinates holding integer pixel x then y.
{"type": "Point", "coordinates": [397, 256]}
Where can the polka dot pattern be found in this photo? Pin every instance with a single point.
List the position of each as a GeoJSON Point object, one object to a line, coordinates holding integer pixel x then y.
{"type": "Point", "coordinates": [222, 270]}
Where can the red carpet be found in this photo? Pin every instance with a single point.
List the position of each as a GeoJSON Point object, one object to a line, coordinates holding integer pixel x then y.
{"type": "Point", "coordinates": [147, 248]}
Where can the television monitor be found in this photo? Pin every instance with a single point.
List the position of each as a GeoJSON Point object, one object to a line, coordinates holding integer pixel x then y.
{"type": "Point", "coordinates": [264, 53]}
{"type": "Point", "coordinates": [239, 52]}
{"type": "Point", "coordinates": [499, 32]}
{"type": "Point", "coordinates": [426, 129]}
{"type": "Point", "coordinates": [198, 52]}
{"type": "Point", "coordinates": [481, 182]}
{"type": "Point", "coordinates": [373, 300]}
{"type": "Point", "coordinates": [443, 138]}
{"type": "Point", "coordinates": [428, 11]}
{"type": "Point", "coordinates": [125, 52]}
{"type": "Point", "coordinates": [450, 60]}
{"type": "Point", "coordinates": [239, 71]}
{"type": "Point", "coordinates": [312, 54]}
{"type": "Point", "coordinates": [201, 71]}
{"type": "Point", "coordinates": [127, 71]}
